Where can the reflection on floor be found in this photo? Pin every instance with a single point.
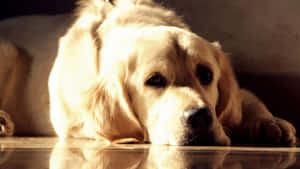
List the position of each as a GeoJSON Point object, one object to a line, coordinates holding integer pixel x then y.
{"type": "Point", "coordinates": [43, 153]}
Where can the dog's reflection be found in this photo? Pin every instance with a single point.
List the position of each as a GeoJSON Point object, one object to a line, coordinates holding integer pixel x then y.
{"type": "Point", "coordinates": [93, 156]}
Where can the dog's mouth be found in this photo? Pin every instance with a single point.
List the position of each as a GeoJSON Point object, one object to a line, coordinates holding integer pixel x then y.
{"type": "Point", "coordinates": [211, 136]}
{"type": "Point", "coordinates": [196, 127]}
{"type": "Point", "coordinates": [201, 128]}
{"type": "Point", "coordinates": [214, 136]}
{"type": "Point", "coordinates": [205, 139]}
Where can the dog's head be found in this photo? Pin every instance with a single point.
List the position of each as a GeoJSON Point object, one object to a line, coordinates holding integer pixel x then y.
{"type": "Point", "coordinates": [180, 86]}
{"type": "Point", "coordinates": [154, 80]}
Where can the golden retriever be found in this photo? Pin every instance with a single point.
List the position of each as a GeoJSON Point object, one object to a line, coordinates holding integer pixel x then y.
{"type": "Point", "coordinates": [125, 71]}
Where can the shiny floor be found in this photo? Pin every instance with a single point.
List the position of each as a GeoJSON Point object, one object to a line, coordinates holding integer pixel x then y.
{"type": "Point", "coordinates": [44, 153]}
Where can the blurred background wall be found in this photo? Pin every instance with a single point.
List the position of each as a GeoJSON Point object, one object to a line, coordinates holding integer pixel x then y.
{"type": "Point", "coordinates": [10, 8]}
{"type": "Point", "coordinates": [262, 36]}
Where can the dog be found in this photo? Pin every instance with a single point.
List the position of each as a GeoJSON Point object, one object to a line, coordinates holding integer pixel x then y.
{"type": "Point", "coordinates": [127, 71]}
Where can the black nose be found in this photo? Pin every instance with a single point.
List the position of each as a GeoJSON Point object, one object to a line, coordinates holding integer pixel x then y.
{"type": "Point", "coordinates": [198, 118]}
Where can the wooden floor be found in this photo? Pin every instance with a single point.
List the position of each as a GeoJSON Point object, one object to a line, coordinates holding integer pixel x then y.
{"type": "Point", "coordinates": [44, 153]}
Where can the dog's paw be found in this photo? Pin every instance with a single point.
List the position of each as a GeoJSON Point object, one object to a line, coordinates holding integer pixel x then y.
{"type": "Point", "coordinates": [6, 124]}
{"type": "Point", "coordinates": [275, 131]}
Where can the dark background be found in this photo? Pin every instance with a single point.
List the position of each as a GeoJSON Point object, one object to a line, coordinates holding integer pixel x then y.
{"type": "Point", "coordinates": [262, 36]}
{"type": "Point", "coordinates": [12, 8]}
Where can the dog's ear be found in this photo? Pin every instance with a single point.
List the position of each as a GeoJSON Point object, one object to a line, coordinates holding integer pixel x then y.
{"type": "Point", "coordinates": [94, 12]}
{"type": "Point", "coordinates": [105, 106]}
{"type": "Point", "coordinates": [111, 113]}
{"type": "Point", "coordinates": [229, 103]}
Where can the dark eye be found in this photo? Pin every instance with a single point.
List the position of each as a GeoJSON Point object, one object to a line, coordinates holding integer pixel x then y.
{"type": "Point", "coordinates": [156, 80]}
{"type": "Point", "coordinates": [204, 74]}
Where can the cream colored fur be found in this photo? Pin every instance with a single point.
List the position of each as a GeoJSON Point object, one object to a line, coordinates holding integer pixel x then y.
{"type": "Point", "coordinates": [98, 63]}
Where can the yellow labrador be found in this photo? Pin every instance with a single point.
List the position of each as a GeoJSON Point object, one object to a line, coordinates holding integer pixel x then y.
{"type": "Point", "coordinates": [125, 71]}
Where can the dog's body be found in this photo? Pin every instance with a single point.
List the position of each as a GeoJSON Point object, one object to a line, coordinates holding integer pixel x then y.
{"type": "Point", "coordinates": [29, 53]}
{"type": "Point", "coordinates": [125, 71]}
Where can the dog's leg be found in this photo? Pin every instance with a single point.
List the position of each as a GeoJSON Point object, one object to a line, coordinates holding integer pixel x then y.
{"type": "Point", "coordinates": [6, 124]}
{"type": "Point", "coordinates": [12, 66]}
{"type": "Point", "coordinates": [261, 126]}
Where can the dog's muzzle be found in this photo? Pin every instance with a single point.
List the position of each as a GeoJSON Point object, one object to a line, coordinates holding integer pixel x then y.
{"type": "Point", "coordinates": [200, 129]}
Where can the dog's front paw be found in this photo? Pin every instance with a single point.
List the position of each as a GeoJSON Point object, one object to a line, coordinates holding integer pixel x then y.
{"type": "Point", "coordinates": [6, 124]}
{"type": "Point", "coordinates": [275, 131]}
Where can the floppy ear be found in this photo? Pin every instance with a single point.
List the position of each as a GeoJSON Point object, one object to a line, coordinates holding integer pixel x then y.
{"type": "Point", "coordinates": [111, 113]}
{"type": "Point", "coordinates": [229, 103]}
{"type": "Point", "coordinates": [105, 111]}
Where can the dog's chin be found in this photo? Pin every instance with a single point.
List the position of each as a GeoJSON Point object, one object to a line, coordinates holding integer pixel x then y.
{"type": "Point", "coordinates": [187, 136]}
{"type": "Point", "coordinates": [194, 139]}
{"type": "Point", "coordinates": [205, 139]}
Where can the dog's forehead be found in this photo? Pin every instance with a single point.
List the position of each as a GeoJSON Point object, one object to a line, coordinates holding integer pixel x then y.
{"type": "Point", "coordinates": [162, 46]}
{"type": "Point", "coordinates": [155, 44]}
{"type": "Point", "coordinates": [172, 43]}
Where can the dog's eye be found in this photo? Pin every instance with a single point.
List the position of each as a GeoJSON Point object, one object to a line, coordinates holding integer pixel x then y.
{"type": "Point", "coordinates": [156, 80]}
{"type": "Point", "coordinates": [204, 74]}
